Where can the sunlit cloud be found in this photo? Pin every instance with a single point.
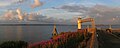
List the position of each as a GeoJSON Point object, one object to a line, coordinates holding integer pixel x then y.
{"type": "Point", "coordinates": [36, 3]}
{"type": "Point", "coordinates": [63, 10]}
{"type": "Point", "coordinates": [19, 14]}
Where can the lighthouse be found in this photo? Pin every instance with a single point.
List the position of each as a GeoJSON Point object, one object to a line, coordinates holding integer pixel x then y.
{"type": "Point", "coordinates": [54, 33]}
{"type": "Point", "coordinates": [110, 27]}
{"type": "Point", "coordinates": [79, 23]}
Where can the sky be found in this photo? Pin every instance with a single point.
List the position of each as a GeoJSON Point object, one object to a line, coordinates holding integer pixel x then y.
{"type": "Point", "coordinates": [59, 11]}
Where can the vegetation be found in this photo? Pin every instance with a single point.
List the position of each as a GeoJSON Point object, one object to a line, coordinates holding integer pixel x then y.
{"type": "Point", "coordinates": [63, 40]}
{"type": "Point", "coordinates": [14, 44]}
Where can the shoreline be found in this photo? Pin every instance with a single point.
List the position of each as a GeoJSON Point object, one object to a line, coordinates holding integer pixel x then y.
{"type": "Point", "coordinates": [46, 25]}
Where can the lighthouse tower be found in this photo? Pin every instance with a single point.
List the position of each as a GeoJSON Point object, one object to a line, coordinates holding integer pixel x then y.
{"type": "Point", "coordinates": [110, 27]}
{"type": "Point", "coordinates": [54, 33]}
{"type": "Point", "coordinates": [79, 23]}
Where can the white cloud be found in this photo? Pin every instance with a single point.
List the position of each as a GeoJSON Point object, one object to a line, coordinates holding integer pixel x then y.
{"type": "Point", "coordinates": [7, 2]}
{"type": "Point", "coordinates": [56, 13]}
{"type": "Point", "coordinates": [4, 3]}
{"type": "Point", "coordinates": [103, 14]}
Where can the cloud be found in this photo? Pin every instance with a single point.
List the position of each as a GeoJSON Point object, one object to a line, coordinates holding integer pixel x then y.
{"type": "Point", "coordinates": [4, 3]}
{"type": "Point", "coordinates": [67, 13]}
{"type": "Point", "coordinates": [8, 15]}
{"type": "Point", "coordinates": [37, 3]}
{"type": "Point", "coordinates": [61, 14]}
{"type": "Point", "coordinates": [42, 19]}
{"type": "Point", "coordinates": [103, 14]}
{"type": "Point", "coordinates": [18, 1]}
{"type": "Point", "coordinates": [74, 8]}
{"type": "Point", "coordinates": [19, 13]}
{"type": "Point", "coordinates": [12, 16]}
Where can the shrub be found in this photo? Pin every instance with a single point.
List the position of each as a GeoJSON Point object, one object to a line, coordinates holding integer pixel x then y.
{"type": "Point", "coordinates": [14, 44]}
{"type": "Point", "coordinates": [63, 40]}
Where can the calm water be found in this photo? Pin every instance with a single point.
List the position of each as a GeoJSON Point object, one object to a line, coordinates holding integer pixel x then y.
{"type": "Point", "coordinates": [34, 33]}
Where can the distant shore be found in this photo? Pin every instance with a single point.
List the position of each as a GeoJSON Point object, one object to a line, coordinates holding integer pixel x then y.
{"type": "Point", "coordinates": [34, 25]}
{"type": "Point", "coordinates": [45, 25]}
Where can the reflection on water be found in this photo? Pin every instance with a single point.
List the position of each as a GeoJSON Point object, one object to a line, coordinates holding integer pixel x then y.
{"type": "Point", "coordinates": [8, 33]}
{"type": "Point", "coordinates": [30, 33]}
{"type": "Point", "coordinates": [19, 32]}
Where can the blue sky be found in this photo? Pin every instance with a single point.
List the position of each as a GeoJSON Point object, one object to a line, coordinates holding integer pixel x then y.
{"type": "Point", "coordinates": [55, 3]}
{"type": "Point", "coordinates": [47, 9]}
{"type": "Point", "coordinates": [84, 2]}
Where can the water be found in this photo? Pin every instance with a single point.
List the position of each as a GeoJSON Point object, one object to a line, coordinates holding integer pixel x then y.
{"type": "Point", "coordinates": [30, 33]}
{"type": "Point", "coordinates": [33, 34]}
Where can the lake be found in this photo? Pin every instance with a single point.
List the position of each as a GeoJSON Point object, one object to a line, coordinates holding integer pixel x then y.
{"type": "Point", "coordinates": [37, 33]}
